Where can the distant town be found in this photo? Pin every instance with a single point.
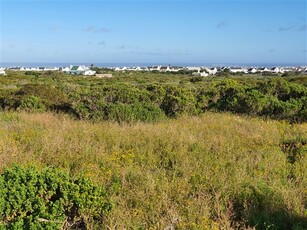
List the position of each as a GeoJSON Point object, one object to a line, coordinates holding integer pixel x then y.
{"type": "Point", "coordinates": [194, 70]}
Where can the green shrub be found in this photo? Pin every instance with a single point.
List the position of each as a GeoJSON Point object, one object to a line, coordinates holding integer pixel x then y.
{"type": "Point", "coordinates": [132, 112]}
{"type": "Point", "coordinates": [179, 101]}
{"type": "Point", "coordinates": [32, 103]}
{"type": "Point", "coordinates": [51, 96]}
{"type": "Point", "coordinates": [253, 102]}
{"type": "Point", "coordinates": [48, 199]}
{"type": "Point", "coordinates": [33, 73]}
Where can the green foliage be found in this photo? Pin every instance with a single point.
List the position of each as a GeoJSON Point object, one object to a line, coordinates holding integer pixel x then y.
{"type": "Point", "coordinates": [119, 112]}
{"type": "Point", "coordinates": [33, 73]}
{"type": "Point", "coordinates": [32, 103]}
{"type": "Point", "coordinates": [50, 95]}
{"type": "Point", "coordinates": [196, 79]}
{"type": "Point", "coordinates": [178, 101]}
{"type": "Point", "coordinates": [135, 96]}
{"type": "Point", "coordinates": [253, 102]}
{"type": "Point", "coordinates": [48, 199]}
{"type": "Point", "coordinates": [133, 112]}
{"type": "Point", "coordinates": [54, 74]}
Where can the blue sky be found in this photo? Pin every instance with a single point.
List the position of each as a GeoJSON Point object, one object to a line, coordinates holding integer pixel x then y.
{"type": "Point", "coordinates": [148, 31]}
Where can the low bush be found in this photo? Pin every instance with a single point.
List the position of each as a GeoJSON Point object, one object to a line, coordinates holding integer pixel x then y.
{"type": "Point", "coordinates": [49, 199]}
{"type": "Point", "coordinates": [32, 103]}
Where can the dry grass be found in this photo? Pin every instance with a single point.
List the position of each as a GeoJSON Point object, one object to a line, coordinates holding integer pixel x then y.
{"type": "Point", "coordinates": [186, 173]}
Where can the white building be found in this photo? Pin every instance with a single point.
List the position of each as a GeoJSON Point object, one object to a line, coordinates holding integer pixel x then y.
{"type": "Point", "coordinates": [252, 70]}
{"type": "Point", "coordinates": [2, 72]}
{"type": "Point", "coordinates": [193, 68]}
{"type": "Point", "coordinates": [289, 69]}
{"type": "Point", "coordinates": [120, 69]}
{"type": "Point", "coordinates": [65, 69]}
{"type": "Point", "coordinates": [263, 69]}
{"type": "Point", "coordinates": [155, 68]}
{"type": "Point", "coordinates": [277, 70]}
{"type": "Point", "coordinates": [174, 68]}
{"type": "Point", "coordinates": [52, 68]}
{"type": "Point", "coordinates": [237, 70]}
{"type": "Point", "coordinates": [89, 72]}
{"type": "Point", "coordinates": [203, 74]}
{"type": "Point", "coordinates": [211, 71]}
{"type": "Point", "coordinates": [80, 70]}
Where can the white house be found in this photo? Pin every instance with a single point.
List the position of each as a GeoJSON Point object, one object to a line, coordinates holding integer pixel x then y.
{"type": "Point", "coordinates": [121, 69]}
{"type": "Point", "coordinates": [277, 70]}
{"type": "Point", "coordinates": [155, 68]}
{"type": "Point", "coordinates": [252, 70]}
{"type": "Point", "coordinates": [80, 70]}
{"type": "Point", "coordinates": [65, 69]}
{"type": "Point", "coordinates": [211, 71]}
{"type": "Point", "coordinates": [237, 70]}
{"type": "Point", "coordinates": [2, 72]}
{"type": "Point", "coordinates": [289, 69]}
{"type": "Point", "coordinates": [263, 69]}
{"type": "Point", "coordinates": [164, 68]}
{"type": "Point", "coordinates": [16, 68]}
{"type": "Point", "coordinates": [174, 68]}
{"type": "Point", "coordinates": [203, 74]}
{"type": "Point", "coordinates": [76, 69]}
{"type": "Point", "coordinates": [193, 68]}
{"type": "Point", "coordinates": [89, 72]}
{"type": "Point", "coordinates": [144, 69]}
{"type": "Point", "coordinates": [51, 68]}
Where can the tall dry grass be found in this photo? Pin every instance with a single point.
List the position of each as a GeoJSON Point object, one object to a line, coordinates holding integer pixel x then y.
{"type": "Point", "coordinates": [208, 172]}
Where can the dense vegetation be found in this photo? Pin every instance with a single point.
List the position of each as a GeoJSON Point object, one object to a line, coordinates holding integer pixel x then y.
{"type": "Point", "coordinates": [108, 156]}
{"type": "Point", "coordinates": [48, 199]}
{"type": "Point", "coordinates": [153, 96]}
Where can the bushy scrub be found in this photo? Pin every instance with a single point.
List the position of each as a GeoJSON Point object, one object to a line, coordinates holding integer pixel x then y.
{"type": "Point", "coordinates": [149, 96]}
{"type": "Point", "coordinates": [32, 103]}
{"type": "Point", "coordinates": [132, 112]}
{"type": "Point", "coordinates": [178, 101]}
{"type": "Point", "coordinates": [48, 199]}
{"type": "Point", "coordinates": [48, 94]}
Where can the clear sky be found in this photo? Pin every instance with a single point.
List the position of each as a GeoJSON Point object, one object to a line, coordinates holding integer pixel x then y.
{"type": "Point", "coordinates": [149, 31]}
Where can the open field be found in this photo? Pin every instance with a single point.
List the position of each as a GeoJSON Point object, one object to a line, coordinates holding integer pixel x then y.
{"type": "Point", "coordinates": [213, 171]}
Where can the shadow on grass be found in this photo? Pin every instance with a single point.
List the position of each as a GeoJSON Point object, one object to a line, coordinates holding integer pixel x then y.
{"type": "Point", "coordinates": [260, 207]}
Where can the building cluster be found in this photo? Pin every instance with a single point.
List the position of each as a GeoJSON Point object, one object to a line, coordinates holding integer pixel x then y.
{"type": "Point", "coordinates": [78, 70]}
{"type": "Point", "coordinates": [206, 71]}
{"type": "Point", "coordinates": [195, 70]}
{"type": "Point", "coordinates": [72, 69]}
